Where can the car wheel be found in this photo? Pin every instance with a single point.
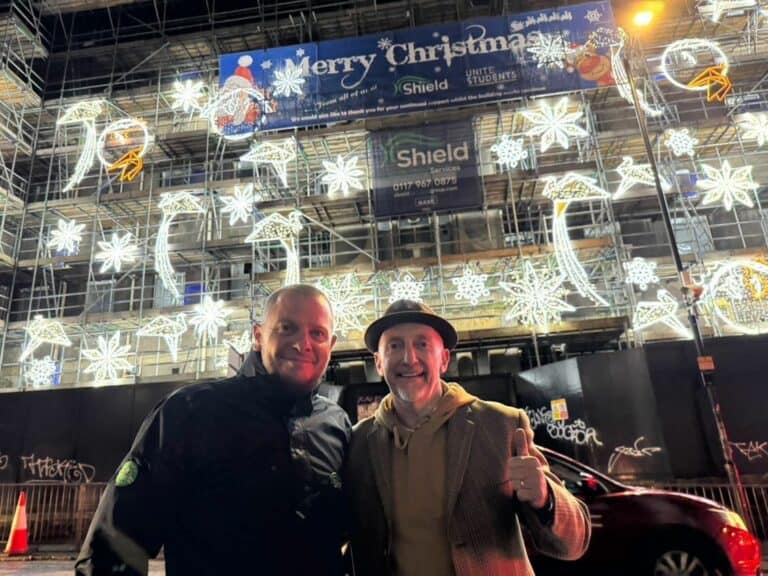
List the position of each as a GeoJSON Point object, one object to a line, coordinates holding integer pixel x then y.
{"type": "Point", "coordinates": [684, 562]}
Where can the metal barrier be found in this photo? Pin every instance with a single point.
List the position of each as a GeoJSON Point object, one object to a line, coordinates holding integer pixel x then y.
{"type": "Point", "coordinates": [56, 513]}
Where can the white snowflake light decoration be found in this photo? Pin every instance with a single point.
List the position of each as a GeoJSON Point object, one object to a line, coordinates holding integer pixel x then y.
{"type": "Point", "coordinates": [276, 154]}
{"type": "Point", "coordinates": [593, 16]}
{"type": "Point", "coordinates": [108, 358]}
{"type": "Point", "coordinates": [509, 151]}
{"type": "Point", "coordinates": [209, 316]}
{"type": "Point", "coordinates": [169, 328]}
{"type": "Point", "coordinates": [288, 81]}
{"type": "Point", "coordinates": [549, 50]}
{"type": "Point", "coordinates": [680, 142]}
{"type": "Point", "coordinates": [755, 127]}
{"type": "Point", "coordinates": [342, 175]}
{"type": "Point", "coordinates": [632, 174]}
{"type": "Point", "coordinates": [117, 251]}
{"type": "Point", "coordinates": [563, 191]}
{"type": "Point", "coordinates": [641, 272]}
{"type": "Point", "coordinates": [535, 298]}
{"type": "Point", "coordinates": [66, 236]}
{"type": "Point", "coordinates": [277, 227]}
{"type": "Point", "coordinates": [172, 204]}
{"type": "Point", "coordinates": [727, 185]}
{"type": "Point", "coordinates": [663, 310]}
{"type": "Point", "coordinates": [406, 288]}
{"type": "Point", "coordinates": [187, 95]}
{"type": "Point", "coordinates": [554, 124]}
{"type": "Point", "coordinates": [240, 205]}
{"type": "Point", "coordinates": [84, 113]}
{"type": "Point", "coordinates": [384, 43]}
{"type": "Point", "coordinates": [40, 372]}
{"type": "Point", "coordinates": [42, 330]}
{"type": "Point", "coordinates": [471, 286]}
{"type": "Point", "coordinates": [243, 344]}
{"type": "Point", "coordinates": [347, 301]}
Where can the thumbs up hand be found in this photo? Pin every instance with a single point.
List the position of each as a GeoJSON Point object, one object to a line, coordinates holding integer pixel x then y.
{"type": "Point", "coordinates": [525, 476]}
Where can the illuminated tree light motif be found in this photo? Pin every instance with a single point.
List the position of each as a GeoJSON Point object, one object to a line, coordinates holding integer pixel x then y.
{"type": "Point", "coordinates": [108, 358]}
{"type": "Point", "coordinates": [663, 310]}
{"type": "Point", "coordinates": [277, 227]}
{"type": "Point", "coordinates": [554, 124]}
{"type": "Point", "coordinates": [43, 331]}
{"type": "Point", "coordinates": [169, 328]}
{"type": "Point", "coordinates": [243, 344]}
{"type": "Point", "coordinates": [171, 204]}
{"type": "Point", "coordinates": [276, 154]}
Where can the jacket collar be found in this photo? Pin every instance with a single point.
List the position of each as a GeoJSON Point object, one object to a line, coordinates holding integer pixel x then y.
{"type": "Point", "coordinates": [274, 389]}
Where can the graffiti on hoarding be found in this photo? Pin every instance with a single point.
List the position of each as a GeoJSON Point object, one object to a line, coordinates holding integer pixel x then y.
{"type": "Point", "coordinates": [634, 451]}
{"type": "Point", "coordinates": [54, 469]}
{"type": "Point", "coordinates": [577, 433]}
{"type": "Point", "coordinates": [752, 450]}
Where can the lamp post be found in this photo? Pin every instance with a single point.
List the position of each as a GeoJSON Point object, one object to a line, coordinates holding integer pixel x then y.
{"type": "Point", "coordinates": [705, 374]}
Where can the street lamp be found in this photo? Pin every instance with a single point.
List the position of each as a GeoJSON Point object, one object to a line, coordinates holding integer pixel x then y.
{"type": "Point", "coordinates": [705, 365]}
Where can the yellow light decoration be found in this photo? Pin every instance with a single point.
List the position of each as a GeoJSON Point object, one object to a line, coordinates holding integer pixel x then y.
{"type": "Point", "coordinates": [129, 164]}
{"type": "Point", "coordinates": [713, 77]}
{"type": "Point", "coordinates": [119, 129]}
{"type": "Point", "coordinates": [277, 227]}
{"type": "Point", "coordinates": [687, 51]}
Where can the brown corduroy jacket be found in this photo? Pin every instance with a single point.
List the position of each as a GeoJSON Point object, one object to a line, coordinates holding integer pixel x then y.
{"type": "Point", "coordinates": [484, 526]}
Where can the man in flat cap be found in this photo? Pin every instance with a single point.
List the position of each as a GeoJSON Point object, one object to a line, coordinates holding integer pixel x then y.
{"type": "Point", "coordinates": [442, 483]}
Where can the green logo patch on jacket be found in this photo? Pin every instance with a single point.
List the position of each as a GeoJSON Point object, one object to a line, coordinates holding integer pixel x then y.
{"type": "Point", "coordinates": [127, 474]}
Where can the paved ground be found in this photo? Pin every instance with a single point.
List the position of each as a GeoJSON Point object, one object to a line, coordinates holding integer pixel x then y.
{"type": "Point", "coordinates": [56, 567]}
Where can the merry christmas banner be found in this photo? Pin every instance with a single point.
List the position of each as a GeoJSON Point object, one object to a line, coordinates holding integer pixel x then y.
{"type": "Point", "coordinates": [416, 69]}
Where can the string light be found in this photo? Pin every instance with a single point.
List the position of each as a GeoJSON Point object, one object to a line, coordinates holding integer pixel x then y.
{"type": "Point", "coordinates": [66, 237]}
{"type": "Point", "coordinates": [276, 154]}
{"type": "Point", "coordinates": [347, 302]}
{"type": "Point", "coordinates": [243, 344]}
{"type": "Point", "coordinates": [40, 331]}
{"type": "Point", "coordinates": [171, 204]}
{"type": "Point", "coordinates": [680, 142]}
{"type": "Point", "coordinates": [663, 310]}
{"type": "Point", "coordinates": [108, 358]}
{"type": "Point", "coordinates": [239, 205]}
{"type": "Point", "coordinates": [84, 113]}
{"type": "Point", "coordinates": [187, 95]}
{"type": "Point", "coordinates": [40, 372]}
{"type": "Point", "coordinates": [471, 286]}
{"type": "Point", "coordinates": [115, 252]}
{"type": "Point", "coordinates": [342, 175]}
{"type": "Point", "coordinates": [169, 328]}
{"type": "Point", "coordinates": [549, 50]}
{"type": "Point", "coordinates": [755, 127]}
{"type": "Point", "coordinates": [727, 185]}
{"type": "Point", "coordinates": [509, 151]}
{"type": "Point", "coordinates": [277, 227]}
{"type": "Point", "coordinates": [405, 288]}
{"type": "Point", "coordinates": [641, 272]}
{"type": "Point", "coordinates": [632, 174]}
{"type": "Point", "coordinates": [288, 81]}
{"type": "Point", "coordinates": [554, 124]}
{"type": "Point", "coordinates": [209, 316]}
{"type": "Point", "coordinates": [736, 294]}
{"type": "Point", "coordinates": [562, 191]}
{"type": "Point", "coordinates": [120, 128]}
{"type": "Point", "coordinates": [535, 298]}
{"type": "Point", "coordinates": [685, 50]}
{"type": "Point", "coordinates": [621, 78]}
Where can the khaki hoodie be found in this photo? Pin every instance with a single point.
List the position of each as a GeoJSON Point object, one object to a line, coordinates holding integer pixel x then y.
{"type": "Point", "coordinates": [420, 544]}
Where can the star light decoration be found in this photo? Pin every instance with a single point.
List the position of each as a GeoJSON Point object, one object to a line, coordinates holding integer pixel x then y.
{"type": "Point", "coordinates": [554, 124]}
{"type": "Point", "coordinates": [108, 358]}
{"type": "Point", "coordinates": [641, 272]}
{"type": "Point", "coordinates": [66, 236]}
{"type": "Point", "coordinates": [243, 344]}
{"type": "Point", "coordinates": [42, 330]}
{"type": "Point", "coordinates": [755, 127]}
{"type": "Point", "coordinates": [347, 301]}
{"type": "Point", "coordinates": [288, 81]}
{"type": "Point", "coordinates": [277, 227]}
{"type": "Point", "coordinates": [549, 50]}
{"type": "Point", "coordinates": [40, 372]}
{"type": "Point", "coordinates": [406, 288]}
{"type": "Point", "coordinates": [680, 142]}
{"type": "Point", "coordinates": [209, 316]}
{"type": "Point", "coordinates": [84, 113]}
{"type": "Point", "coordinates": [562, 191]}
{"type": "Point", "coordinates": [633, 174]}
{"type": "Point", "coordinates": [535, 298]}
{"type": "Point", "coordinates": [663, 310]}
{"type": "Point", "coordinates": [509, 151]}
{"type": "Point", "coordinates": [471, 286]}
{"type": "Point", "coordinates": [342, 175]}
{"type": "Point", "coordinates": [276, 154]}
{"type": "Point", "coordinates": [172, 204]}
{"type": "Point", "coordinates": [727, 185]}
{"type": "Point", "coordinates": [169, 328]}
{"type": "Point", "coordinates": [117, 251]}
{"type": "Point", "coordinates": [240, 205]}
{"type": "Point", "coordinates": [187, 95]}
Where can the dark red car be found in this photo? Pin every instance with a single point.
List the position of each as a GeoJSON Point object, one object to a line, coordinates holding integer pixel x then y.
{"type": "Point", "coordinates": [652, 532]}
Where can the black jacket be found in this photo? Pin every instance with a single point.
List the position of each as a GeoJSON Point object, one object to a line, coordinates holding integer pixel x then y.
{"type": "Point", "coordinates": [232, 477]}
